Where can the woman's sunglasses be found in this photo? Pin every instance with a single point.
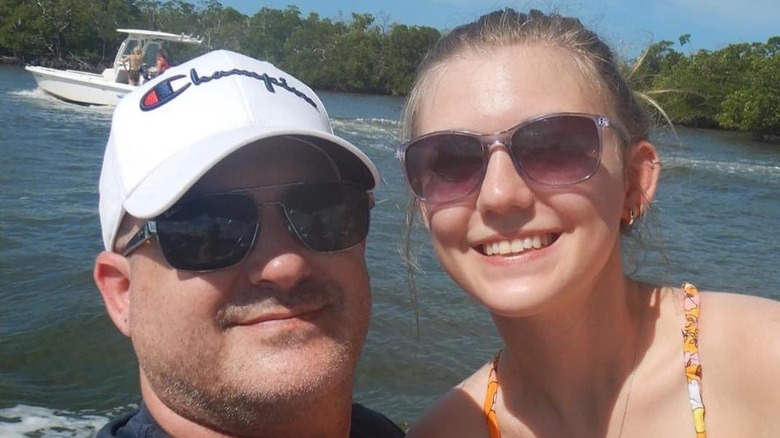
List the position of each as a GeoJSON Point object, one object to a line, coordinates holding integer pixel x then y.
{"type": "Point", "coordinates": [217, 231]}
{"type": "Point", "coordinates": [554, 150]}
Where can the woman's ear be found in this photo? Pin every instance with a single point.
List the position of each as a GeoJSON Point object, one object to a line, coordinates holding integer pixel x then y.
{"type": "Point", "coordinates": [643, 174]}
{"type": "Point", "coordinates": [112, 277]}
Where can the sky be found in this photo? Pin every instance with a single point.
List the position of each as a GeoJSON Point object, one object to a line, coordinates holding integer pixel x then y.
{"type": "Point", "coordinates": [629, 26]}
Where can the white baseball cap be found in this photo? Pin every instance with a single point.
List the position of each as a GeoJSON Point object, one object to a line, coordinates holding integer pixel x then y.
{"type": "Point", "coordinates": [169, 132]}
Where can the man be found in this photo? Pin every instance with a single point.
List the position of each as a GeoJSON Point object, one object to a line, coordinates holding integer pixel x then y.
{"type": "Point", "coordinates": [132, 64]}
{"type": "Point", "coordinates": [235, 234]}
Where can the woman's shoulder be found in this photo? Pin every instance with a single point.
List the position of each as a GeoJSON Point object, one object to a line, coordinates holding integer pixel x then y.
{"type": "Point", "coordinates": [723, 312]}
{"type": "Point", "coordinates": [456, 413]}
{"type": "Point", "coordinates": [730, 322]}
{"type": "Point", "coordinates": [740, 316]}
{"type": "Point", "coordinates": [739, 343]}
{"type": "Point", "coordinates": [737, 337]}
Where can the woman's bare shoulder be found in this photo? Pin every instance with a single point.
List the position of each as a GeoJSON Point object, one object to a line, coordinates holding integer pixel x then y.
{"type": "Point", "coordinates": [739, 343]}
{"type": "Point", "coordinates": [732, 324]}
{"type": "Point", "coordinates": [456, 413]}
{"type": "Point", "coordinates": [740, 317]}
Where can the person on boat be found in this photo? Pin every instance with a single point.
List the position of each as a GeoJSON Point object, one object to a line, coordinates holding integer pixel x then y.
{"type": "Point", "coordinates": [234, 261]}
{"type": "Point", "coordinates": [529, 158]}
{"type": "Point", "coordinates": [161, 63]}
{"type": "Point", "coordinates": [133, 64]}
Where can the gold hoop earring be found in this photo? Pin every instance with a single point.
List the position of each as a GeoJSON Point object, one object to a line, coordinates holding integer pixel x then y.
{"type": "Point", "coordinates": [631, 216]}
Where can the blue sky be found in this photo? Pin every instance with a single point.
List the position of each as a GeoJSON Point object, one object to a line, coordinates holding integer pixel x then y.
{"type": "Point", "coordinates": [628, 25]}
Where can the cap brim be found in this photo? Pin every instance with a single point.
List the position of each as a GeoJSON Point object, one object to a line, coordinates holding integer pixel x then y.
{"type": "Point", "coordinates": [171, 179]}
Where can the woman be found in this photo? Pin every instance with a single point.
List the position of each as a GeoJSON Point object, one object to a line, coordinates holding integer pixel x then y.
{"type": "Point", "coordinates": [161, 63]}
{"type": "Point", "coordinates": [529, 159]}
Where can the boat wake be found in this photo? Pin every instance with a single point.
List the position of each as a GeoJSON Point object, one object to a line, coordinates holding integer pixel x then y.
{"type": "Point", "coordinates": [41, 98]}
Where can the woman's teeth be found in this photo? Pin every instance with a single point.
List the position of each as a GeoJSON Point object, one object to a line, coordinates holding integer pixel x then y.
{"type": "Point", "coordinates": [516, 246]}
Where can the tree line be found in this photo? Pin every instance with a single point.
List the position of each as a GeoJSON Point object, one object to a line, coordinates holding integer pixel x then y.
{"type": "Point", "coordinates": [735, 88]}
{"type": "Point", "coordinates": [732, 88]}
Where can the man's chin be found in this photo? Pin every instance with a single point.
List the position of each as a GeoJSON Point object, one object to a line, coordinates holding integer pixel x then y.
{"type": "Point", "coordinates": [264, 396]}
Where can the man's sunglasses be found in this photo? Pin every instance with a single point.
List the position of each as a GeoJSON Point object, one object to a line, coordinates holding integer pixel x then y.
{"type": "Point", "coordinates": [555, 150]}
{"type": "Point", "coordinates": [217, 231]}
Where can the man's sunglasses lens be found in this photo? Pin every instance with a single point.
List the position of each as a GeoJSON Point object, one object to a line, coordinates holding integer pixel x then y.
{"type": "Point", "coordinates": [218, 231]}
{"type": "Point", "coordinates": [333, 218]}
{"type": "Point", "coordinates": [208, 233]}
{"type": "Point", "coordinates": [556, 150]}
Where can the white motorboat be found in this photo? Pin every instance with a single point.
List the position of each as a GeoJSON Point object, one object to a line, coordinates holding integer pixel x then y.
{"type": "Point", "coordinates": [107, 89]}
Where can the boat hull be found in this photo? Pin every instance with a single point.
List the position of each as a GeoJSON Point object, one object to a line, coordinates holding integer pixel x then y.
{"type": "Point", "coordinates": [79, 87]}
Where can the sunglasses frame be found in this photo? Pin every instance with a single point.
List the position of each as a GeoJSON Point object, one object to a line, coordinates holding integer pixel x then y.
{"type": "Point", "coordinates": [149, 228]}
{"type": "Point", "coordinates": [504, 138]}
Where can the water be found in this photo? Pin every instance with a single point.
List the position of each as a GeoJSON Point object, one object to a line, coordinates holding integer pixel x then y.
{"type": "Point", "coordinates": [64, 369]}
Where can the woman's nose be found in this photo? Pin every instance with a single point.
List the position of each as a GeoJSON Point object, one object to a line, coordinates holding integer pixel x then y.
{"type": "Point", "coordinates": [503, 188]}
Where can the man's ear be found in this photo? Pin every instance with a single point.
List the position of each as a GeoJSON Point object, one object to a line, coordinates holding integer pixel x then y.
{"type": "Point", "coordinates": [643, 174]}
{"type": "Point", "coordinates": [112, 277]}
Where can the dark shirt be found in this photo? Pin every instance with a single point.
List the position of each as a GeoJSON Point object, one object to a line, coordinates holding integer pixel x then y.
{"type": "Point", "coordinates": [140, 424]}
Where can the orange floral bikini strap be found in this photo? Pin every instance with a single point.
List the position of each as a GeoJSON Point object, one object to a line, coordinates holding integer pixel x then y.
{"type": "Point", "coordinates": [691, 305]}
{"type": "Point", "coordinates": [489, 407]}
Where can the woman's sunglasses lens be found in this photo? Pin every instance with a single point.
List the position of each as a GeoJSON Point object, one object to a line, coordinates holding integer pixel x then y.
{"type": "Point", "coordinates": [328, 217]}
{"type": "Point", "coordinates": [444, 167]}
{"type": "Point", "coordinates": [558, 150]}
{"type": "Point", "coordinates": [208, 233]}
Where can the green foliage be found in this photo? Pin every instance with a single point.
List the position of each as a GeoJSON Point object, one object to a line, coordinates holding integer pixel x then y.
{"type": "Point", "coordinates": [354, 56]}
{"type": "Point", "coordinates": [405, 48]}
{"type": "Point", "coordinates": [755, 105]}
{"type": "Point", "coordinates": [734, 88]}
{"type": "Point", "coordinates": [309, 51]}
{"type": "Point", "coordinates": [658, 60]}
{"type": "Point", "coordinates": [687, 97]}
{"type": "Point", "coordinates": [17, 34]}
{"type": "Point", "coordinates": [268, 31]}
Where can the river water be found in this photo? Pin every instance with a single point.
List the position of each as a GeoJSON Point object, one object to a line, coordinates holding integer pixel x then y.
{"type": "Point", "coordinates": [64, 369]}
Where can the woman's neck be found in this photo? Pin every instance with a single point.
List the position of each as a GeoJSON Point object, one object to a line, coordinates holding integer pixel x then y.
{"type": "Point", "coordinates": [578, 353]}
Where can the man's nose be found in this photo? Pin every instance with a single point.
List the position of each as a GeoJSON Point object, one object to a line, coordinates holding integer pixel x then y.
{"type": "Point", "coordinates": [278, 258]}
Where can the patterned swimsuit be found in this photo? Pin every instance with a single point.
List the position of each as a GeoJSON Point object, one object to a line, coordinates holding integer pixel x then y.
{"type": "Point", "coordinates": [691, 361]}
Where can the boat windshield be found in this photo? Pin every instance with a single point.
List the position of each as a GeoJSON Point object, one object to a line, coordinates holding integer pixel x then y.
{"type": "Point", "coordinates": [126, 49]}
{"type": "Point", "coordinates": [128, 46]}
{"type": "Point", "coordinates": [150, 53]}
{"type": "Point", "coordinates": [148, 48]}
